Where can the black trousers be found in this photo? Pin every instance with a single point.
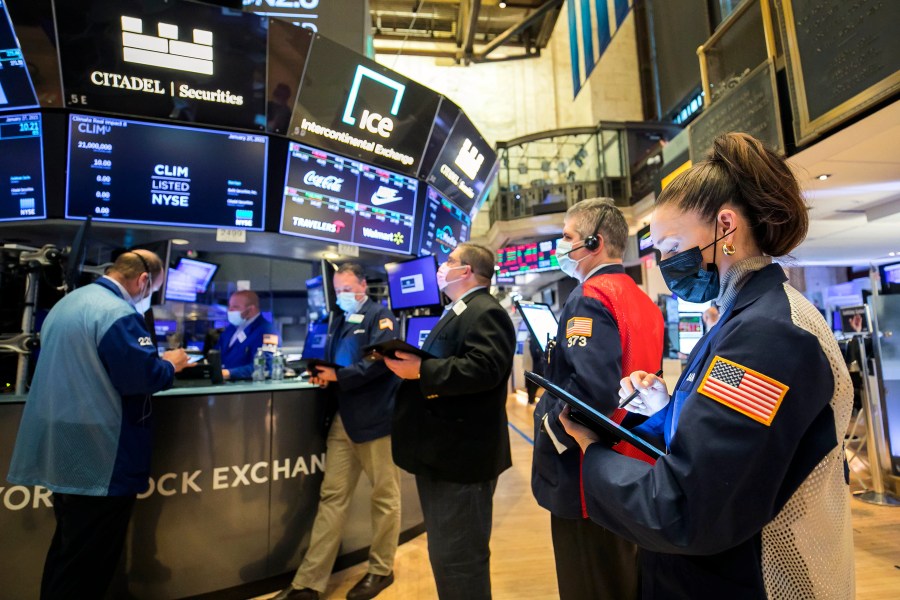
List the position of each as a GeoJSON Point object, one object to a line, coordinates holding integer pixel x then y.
{"type": "Point", "coordinates": [458, 519]}
{"type": "Point", "coordinates": [592, 563]}
{"type": "Point", "coordinates": [88, 541]}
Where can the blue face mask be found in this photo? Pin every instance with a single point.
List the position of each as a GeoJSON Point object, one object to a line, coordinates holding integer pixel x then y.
{"type": "Point", "coordinates": [686, 277]}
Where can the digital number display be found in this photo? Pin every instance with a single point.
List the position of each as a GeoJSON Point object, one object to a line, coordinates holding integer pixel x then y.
{"type": "Point", "coordinates": [138, 172]}
{"type": "Point", "coordinates": [16, 90]}
{"type": "Point", "coordinates": [338, 199]}
{"type": "Point", "coordinates": [527, 258]}
{"type": "Point", "coordinates": [21, 168]}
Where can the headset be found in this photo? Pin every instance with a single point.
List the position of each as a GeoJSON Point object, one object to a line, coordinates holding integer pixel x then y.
{"type": "Point", "coordinates": [592, 242]}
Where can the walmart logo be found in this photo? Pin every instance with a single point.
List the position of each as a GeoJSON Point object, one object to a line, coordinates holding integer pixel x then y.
{"type": "Point", "coordinates": [386, 236]}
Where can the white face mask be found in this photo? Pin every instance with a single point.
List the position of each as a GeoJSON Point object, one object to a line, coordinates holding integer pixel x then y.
{"type": "Point", "coordinates": [140, 303]}
{"type": "Point", "coordinates": [347, 302]}
{"type": "Point", "coordinates": [234, 317]}
{"type": "Point", "coordinates": [442, 275]}
{"type": "Point", "coordinates": [567, 265]}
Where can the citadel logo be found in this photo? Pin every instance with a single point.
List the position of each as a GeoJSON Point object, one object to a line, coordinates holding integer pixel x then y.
{"type": "Point", "coordinates": [165, 50]}
{"type": "Point", "coordinates": [325, 182]}
{"type": "Point", "coordinates": [469, 159]}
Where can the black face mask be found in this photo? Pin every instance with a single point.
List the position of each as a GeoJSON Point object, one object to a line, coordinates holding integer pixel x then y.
{"type": "Point", "coordinates": [685, 276]}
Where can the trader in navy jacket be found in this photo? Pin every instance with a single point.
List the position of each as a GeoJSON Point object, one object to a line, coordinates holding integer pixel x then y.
{"type": "Point", "coordinates": [359, 441]}
{"type": "Point", "coordinates": [243, 336]}
{"type": "Point", "coordinates": [86, 431]}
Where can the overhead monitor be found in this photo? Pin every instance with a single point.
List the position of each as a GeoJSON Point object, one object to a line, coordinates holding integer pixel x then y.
{"type": "Point", "coordinates": [464, 166]}
{"type": "Point", "coordinates": [413, 283]}
{"type": "Point", "coordinates": [16, 90]}
{"type": "Point", "coordinates": [188, 279]}
{"type": "Point", "coordinates": [21, 168]}
{"type": "Point", "coordinates": [356, 107]}
{"type": "Point", "coordinates": [444, 226]}
{"type": "Point", "coordinates": [418, 328]}
{"type": "Point", "coordinates": [178, 60]}
{"type": "Point", "coordinates": [645, 242]}
{"type": "Point", "coordinates": [540, 320]}
{"type": "Point", "coordinates": [533, 257]}
{"type": "Point", "coordinates": [890, 278]}
{"type": "Point", "coordinates": [337, 199]}
{"type": "Point", "coordinates": [137, 172]}
{"type": "Point", "coordinates": [854, 319]}
{"type": "Point", "coordinates": [344, 21]}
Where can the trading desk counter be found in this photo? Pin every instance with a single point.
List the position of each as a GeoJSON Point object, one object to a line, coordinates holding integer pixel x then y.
{"type": "Point", "coordinates": [233, 492]}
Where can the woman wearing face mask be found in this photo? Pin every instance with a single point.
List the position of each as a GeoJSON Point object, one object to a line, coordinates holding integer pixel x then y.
{"type": "Point", "coordinates": [752, 499]}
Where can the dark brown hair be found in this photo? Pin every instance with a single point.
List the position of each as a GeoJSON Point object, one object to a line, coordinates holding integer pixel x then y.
{"type": "Point", "coordinates": [353, 268]}
{"type": "Point", "coordinates": [480, 258]}
{"type": "Point", "coordinates": [740, 170]}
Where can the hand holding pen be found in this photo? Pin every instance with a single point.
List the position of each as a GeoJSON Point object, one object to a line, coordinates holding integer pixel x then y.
{"type": "Point", "coordinates": [643, 393]}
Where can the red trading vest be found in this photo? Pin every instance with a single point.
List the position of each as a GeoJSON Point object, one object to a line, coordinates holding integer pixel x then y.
{"type": "Point", "coordinates": [641, 326]}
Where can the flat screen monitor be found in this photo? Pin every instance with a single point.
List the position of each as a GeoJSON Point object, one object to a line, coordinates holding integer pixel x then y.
{"type": "Point", "coordinates": [464, 166]}
{"type": "Point", "coordinates": [854, 319]}
{"type": "Point", "coordinates": [317, 306]}
{"type": "Point", "coordinates": [137, 172]}
{"type": "Point", "coordinates": [354, 106]}
{"type": "Point", "coordinates": [418, 328]}
{"type": "Point", "coordinates": [413, 283]}
{"type": "Point", "coordinates": [289, 48]}
{"type": "Point", "coordinates": [188, 279]}
{"type": "Point", "coordinates": [645, 242]}
{"type": "Point", "coordinates": [444, 226]}
{"type": "Point", "coordinates": [316, 338]}
{"type": "Point", "coordinates": [16, 90]}
{"type": "Point", "coordinates": [690, 330]}
{"type": "Point", "coordinates": [177, 60]}
{"type": "Point", "coordinates": [540, 320]}
{"type": "Point", "coordinates": [890, 277]}
{"type": "Point", "coordinates": [533, 257]}
{"type": "Point", "coordinates": [21, 168]}
{"type": "Point", "coordinates": [337, 199]}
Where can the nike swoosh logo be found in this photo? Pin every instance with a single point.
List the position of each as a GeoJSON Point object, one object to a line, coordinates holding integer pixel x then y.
{"type": "Point", "coordinates": [379, 201]}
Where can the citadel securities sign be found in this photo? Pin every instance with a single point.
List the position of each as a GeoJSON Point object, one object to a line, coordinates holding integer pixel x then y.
{"type": "Point", "coordinates": [167, 62]}
{"type": "Point", "coordinates": [353, 106]}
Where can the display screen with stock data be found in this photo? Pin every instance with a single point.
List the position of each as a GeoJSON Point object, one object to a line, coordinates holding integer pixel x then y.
{"type": "Point", "coordinates": [444, 226]}
{"type": "Point", "coordinates": [21, 168]}
{"type": "Point", "coordinates": [16, 90]}
{"type": "Point", "coordinates": [131, 171]}
{"type": "Point", "coordinates": [532, 257]}
{"type": "Point", "coordinates": [464, 166]}
{"type": "Point", "coordinates": [338, 199]}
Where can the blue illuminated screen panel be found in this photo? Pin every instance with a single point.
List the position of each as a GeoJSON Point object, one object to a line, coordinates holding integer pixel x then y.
{"type": "Point", "coordinates": [444, 226]}
{"type": "Point", "coordinates": [337, 199]}
{"type": "Point", "coordinates": [16, 90]}
{"type": "Point", "coordinates": [136, 172]}
{"type": "Point", "coordinates": [21, 168]}
{"type": "Point", "coordinates": [413, 283]}
{"type": "Point", "coordinates": [418, 328]}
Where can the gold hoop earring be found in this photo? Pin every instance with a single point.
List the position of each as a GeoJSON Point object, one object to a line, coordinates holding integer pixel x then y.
{"type": "Point", "coordinates": [728, 249]}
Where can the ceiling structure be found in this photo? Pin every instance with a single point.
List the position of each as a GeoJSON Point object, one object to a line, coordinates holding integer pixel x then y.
{"type": "Point", "coordinates": [463, 32]}
{"type": "Point", "coordinates": [855, 212]}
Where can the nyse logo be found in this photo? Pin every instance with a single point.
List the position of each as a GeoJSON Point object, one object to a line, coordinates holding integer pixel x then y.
{"type": "Point", "coordinates": [412, 283]}
{"type": "Point", "coordinates": [164, 50]}
{"type": "Point", "coordinates": [469, 159]}
{"type": "Point", "coordinates": [371, 121]}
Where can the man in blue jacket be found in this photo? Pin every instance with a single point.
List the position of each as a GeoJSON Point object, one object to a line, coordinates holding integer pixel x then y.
{"type": "Point", "coordinates": [86, 431]}
{"type": "Point", "coordinates": [243, 336]}
{"type": "Point", "coordinates": [359, 441]}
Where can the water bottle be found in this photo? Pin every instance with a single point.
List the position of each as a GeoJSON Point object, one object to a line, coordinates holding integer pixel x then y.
{"type": "Point", "coordinates": [259, 365]}
{"type": "Point", "coordinates": [278, 366]}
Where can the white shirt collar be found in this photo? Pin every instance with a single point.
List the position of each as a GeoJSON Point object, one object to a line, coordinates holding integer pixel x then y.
{"type": "Point", "coordinates": [125, 295]}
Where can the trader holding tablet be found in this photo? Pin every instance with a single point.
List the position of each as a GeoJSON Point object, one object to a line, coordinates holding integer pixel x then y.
{"type": "Point", "coordinates": [359, 441]}
{"type": "Point", "coordinates": [450, 427]}
{"type": "Point", "coordinates": [607, 328]}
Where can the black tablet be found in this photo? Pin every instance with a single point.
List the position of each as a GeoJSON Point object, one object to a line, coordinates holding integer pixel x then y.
{"type": "Point", "coordinates": [591, 418]}
{"type": "Point", "coordinates": [313, 364]}
{"type": "Point", "coordinates": [540, 320]}
{"type": "Point", "coordinates": [390, 349]}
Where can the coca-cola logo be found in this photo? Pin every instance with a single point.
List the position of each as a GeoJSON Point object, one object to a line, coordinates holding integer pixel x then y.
{"type": "Point", "coordinates": [325, 182]}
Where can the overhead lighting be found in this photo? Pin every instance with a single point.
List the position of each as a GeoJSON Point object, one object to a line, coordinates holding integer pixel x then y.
{"type": "Point", "coordinates": [180, 242]}
{"type": "Point", "coordinates": [330, 255]}
{"type": "Point", "coordinates": [823, 176]}
{"type": "Point", "coordinates": [502, 4]}
{"type": "Point", "coordinates": [892, 254]}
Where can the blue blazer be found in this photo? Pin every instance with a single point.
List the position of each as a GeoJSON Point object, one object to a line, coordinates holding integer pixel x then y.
{"type": "Point", "coordinates": [238, 358]}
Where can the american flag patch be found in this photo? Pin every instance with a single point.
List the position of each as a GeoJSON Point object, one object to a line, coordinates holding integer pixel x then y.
{"type": "Point", "coordinates": [743, 389]}
{"type": "Point", "coordinates": [386, 323]}
{"type": "Point", "coordinates": [579, 326]}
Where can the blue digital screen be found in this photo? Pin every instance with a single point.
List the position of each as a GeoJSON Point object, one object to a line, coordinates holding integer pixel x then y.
{"type": "Point", "coordinates": [21, 168]}
{"type": "Point", "coordinates": [136, 172]}
{"type": "Point", "coordinates": [316, 338]}
{"type": "Point", "coordinates": [16, 90]}
{"type": "Point", "coordinates": [338, 199]}
{"type": "Point", "coordinates": [444, 226]}
{"type": "Point", "coordinates": [413, 283]}
{"type": "Point", "coordinates": [418, 328]}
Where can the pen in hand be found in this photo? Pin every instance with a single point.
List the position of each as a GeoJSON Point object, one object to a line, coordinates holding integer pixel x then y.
{"type": "Point", "coordinates": [635, 393]}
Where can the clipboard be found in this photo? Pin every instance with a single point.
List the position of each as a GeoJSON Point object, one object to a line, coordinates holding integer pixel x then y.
{"type": "Point", "coordinates": [592, 418]}
{"type": "Point", "coordinates": [390, 349]}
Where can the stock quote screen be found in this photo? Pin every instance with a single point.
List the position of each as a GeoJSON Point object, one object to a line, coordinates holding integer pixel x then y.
{"type": "Point", "coordinates": [532, 257]}
{"type": "Point", "coordinates": [21, 168]}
